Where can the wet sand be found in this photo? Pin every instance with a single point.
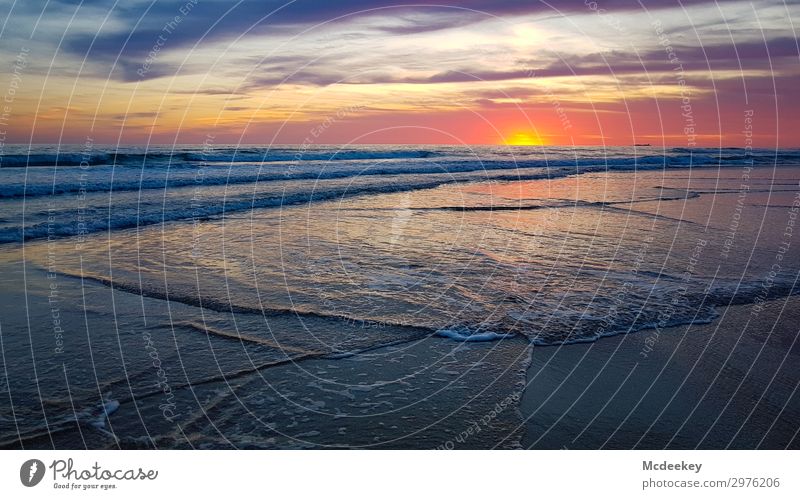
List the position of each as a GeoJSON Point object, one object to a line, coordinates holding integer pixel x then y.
{"type": "Point", "coordinates": [729, 384]}
{"type": "Point", "coordinates": [341, 324]}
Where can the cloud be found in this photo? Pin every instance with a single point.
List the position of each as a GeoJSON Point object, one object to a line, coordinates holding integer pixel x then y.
{"type": "Point", "coordinates": [138, 27]}
{"type": "Point", "coordinates": [750, 55]}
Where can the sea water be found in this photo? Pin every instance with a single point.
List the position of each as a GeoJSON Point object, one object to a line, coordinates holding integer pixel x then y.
{"type": "Point", "coordinates": [359, 296]}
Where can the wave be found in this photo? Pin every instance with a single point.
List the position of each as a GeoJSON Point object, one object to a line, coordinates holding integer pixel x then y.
{"type": "Point", "coordinates": [215, 305]}
{"type": "Point", "coordinates": [468, 335]}
{"type": "Point", "coordinates": [179, 158]}
{"type": "Point", "coordinates": [401, 169]}
{"type": "Point", "coordinates": [700, 307]}
{"type": "Point", "coordinates": [32, 190]}
{"type": "Point", "coordinates": [246, 338]}
{"type": "Point", "coordinates": [224, 177]}
{"type": "Point", "coordinates": [168, 171]}
{"type": "Point", "coordinates": [93, 417]}
{"type": "Point", "coordinates": [216, 207]}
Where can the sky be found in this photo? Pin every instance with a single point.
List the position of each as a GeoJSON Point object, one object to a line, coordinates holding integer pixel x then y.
{"type": "Point", "coordinates": [678, 73]}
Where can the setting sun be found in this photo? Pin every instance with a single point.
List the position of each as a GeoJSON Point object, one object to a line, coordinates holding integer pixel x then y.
{"type": "Point", "coordinates": [524, 139]}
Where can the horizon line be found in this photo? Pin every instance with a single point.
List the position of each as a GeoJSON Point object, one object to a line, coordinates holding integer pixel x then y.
{"type": "Point", "coordinates": [348, 144]}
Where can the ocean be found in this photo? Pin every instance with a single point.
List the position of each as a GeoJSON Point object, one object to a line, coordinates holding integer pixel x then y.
{"type": "Point", "coordinates": [222, 296]}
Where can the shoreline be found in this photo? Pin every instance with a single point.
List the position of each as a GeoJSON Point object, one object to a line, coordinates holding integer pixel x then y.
{"type": "Point", "coordinates": [622, 257]}
{"type": "Point", "coordinates": [606, 394]}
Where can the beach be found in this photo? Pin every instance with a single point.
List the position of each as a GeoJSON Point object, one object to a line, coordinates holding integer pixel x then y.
{"type": "Point", "coordinates": [560, 236]}
{"type": "Point", "coordinates": [724, 385]}
{"type": "Point", "coordinates": [400, 297]}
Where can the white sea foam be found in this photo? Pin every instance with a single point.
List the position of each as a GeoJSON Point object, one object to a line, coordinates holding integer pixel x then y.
{"type": "Point", "coordinates": [467, 335]}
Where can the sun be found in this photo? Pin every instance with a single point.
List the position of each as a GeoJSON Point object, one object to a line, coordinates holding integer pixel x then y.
{"type": "Point", "coordinates": [524, 139]}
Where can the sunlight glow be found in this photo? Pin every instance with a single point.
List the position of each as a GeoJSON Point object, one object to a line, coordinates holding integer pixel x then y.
{"type": "Point", "coordinates": [524, 139]}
